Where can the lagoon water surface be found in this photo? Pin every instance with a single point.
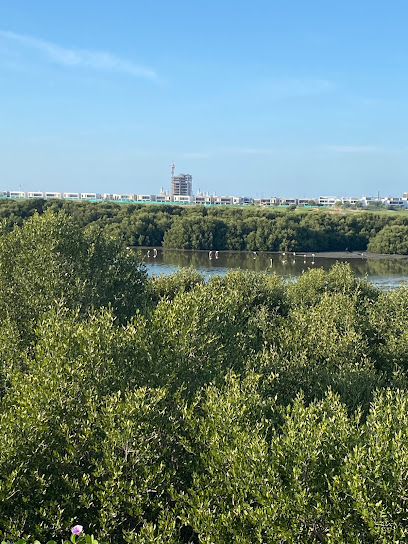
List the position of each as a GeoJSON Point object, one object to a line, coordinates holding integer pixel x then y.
{"type": "Point", "coordinates": [385, 271]}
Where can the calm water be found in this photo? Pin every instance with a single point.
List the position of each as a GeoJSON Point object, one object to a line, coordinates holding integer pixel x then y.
{"type": "Point", "coordinates": [385, 272]}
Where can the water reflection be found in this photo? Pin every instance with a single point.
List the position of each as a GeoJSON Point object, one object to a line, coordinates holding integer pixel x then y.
{"type": "Point", "coordinates": [383, 271]}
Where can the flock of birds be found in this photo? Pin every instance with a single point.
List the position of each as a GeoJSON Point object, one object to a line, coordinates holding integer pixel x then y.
{"type": "Point", "coordinates": [296, 255]}
{"type": "Point", "coordinates": [254, 254]}
{"type": "Point", "coordinates": [154, 253]}
{"type": "Point", "coordinates": [284, 254]}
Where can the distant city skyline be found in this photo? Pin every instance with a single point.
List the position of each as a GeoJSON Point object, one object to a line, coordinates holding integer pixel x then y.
{"type": "Point", "coordinates": [182, 195]}
{"type": "Point", "coordinates": [262, 98]}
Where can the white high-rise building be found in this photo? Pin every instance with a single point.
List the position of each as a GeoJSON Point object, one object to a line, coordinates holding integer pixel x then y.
{"type": "Point", "coordinates": [181, 185]}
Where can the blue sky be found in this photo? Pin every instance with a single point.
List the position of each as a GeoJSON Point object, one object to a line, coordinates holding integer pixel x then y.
{"type": "Point", "coordinates": [258, 98]}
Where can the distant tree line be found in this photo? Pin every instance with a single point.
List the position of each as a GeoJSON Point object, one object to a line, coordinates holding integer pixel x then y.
{"type": "Point", "coordinates": [224, 228]}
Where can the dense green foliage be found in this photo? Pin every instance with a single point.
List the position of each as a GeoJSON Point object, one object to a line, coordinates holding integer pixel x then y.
{"type": "Point", "coordinates": [238, 410]}
{"type": "Point", "coordinates": [51, 257]}
{"type": "Point", "coordinates": [222, 228]}
{"type": "Point", "coordinates": [391, 239]}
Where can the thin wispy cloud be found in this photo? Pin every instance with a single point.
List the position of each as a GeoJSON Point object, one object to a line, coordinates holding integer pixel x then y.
{"type": "Point", "coordinates": [81, 58]}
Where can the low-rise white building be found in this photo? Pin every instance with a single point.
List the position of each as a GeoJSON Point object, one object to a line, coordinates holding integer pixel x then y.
{"type": "Point", "coordinates": [183, 199]}
{"type": "Point", "coordinates": [304, 201]}
{"type": "Point", "coordinates": [72, 196]}
{"type": "Point", "coordinates": [17, 194]}
{"type": "Point", "coordinates": [327, 200]}
{"type": "Point", "coordinates": [35, 194]}
{"type": "Point", "coordinates": [288, 201]}
{"type": "Point", "coordinates": [350, 200]}
{"type": "Point", "coordinates": [127, 196]}
{"type": "Point", "coordinates": [366, 200]}
{"type": "Point", "coordinates": [162, 198]}
{"type": "Point", "coordinates": [270, 201]}
{"type": "Point", "coordinates": [203, 200]}
{"type": "Point", "coordinates": [223, 200]}
{"type": "Point", "coordinates": [395, 201]}
{"type": "Point", "coordinates": [49, 194]}
{"type": "Point", "coordinates": [146, 198]}
{"type": "Point", "coordinates": [91, 196]}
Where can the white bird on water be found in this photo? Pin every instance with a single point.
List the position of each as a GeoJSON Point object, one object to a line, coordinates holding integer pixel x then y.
{"type": "Point", "coordinates": [210, 255]}
{"type": "Point", "coordinates": [216, 254]}
{"type": "Point", "coordinates": [154, 253]}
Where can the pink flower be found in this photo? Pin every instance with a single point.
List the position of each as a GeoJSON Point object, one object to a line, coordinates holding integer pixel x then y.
{"type": "Point", "coordinates": [77, 529]}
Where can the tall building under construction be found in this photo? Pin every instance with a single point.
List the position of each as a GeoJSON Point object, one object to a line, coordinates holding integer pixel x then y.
{"type": "Point", "coordinates": [181, 185]}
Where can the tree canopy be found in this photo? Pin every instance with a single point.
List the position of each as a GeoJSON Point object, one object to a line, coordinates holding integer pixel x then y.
{"type": "Point", "coordinates": [221, 228]}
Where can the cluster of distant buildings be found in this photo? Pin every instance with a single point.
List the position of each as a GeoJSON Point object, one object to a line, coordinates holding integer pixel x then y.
{"type": "Point", "coordinates": [182, 193]}
{"type": "Point", "coordinates": [209, 200]}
